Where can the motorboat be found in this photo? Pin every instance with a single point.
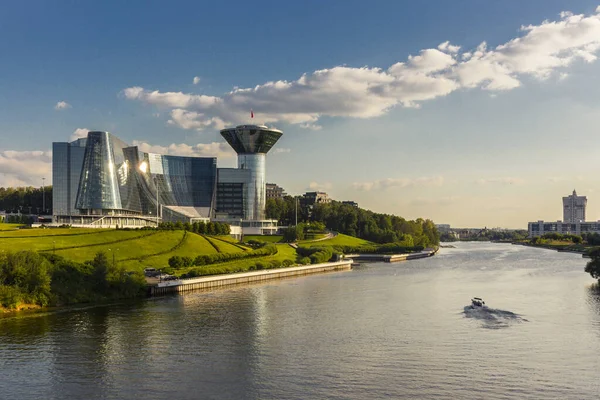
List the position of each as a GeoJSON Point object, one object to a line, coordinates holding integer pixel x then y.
{"type": "Point", "coordinates": [477, 302]}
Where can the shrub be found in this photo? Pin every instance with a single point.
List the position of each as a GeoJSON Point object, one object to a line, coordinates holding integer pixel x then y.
{"type": "Point", "coordinates": [304, 261]}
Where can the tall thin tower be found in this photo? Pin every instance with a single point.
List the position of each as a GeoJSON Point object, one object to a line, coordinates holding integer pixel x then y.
{"type": "Point", "coordinates": [252, 143]}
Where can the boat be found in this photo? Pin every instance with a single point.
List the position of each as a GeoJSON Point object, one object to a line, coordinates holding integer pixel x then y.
{"type": "Point", "coordinates": [477, 302]}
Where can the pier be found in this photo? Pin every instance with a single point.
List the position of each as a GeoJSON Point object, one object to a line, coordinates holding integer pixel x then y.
{"type": "Point", "coordinates": [218, 281]}
{"type": "Point", "coordinates": [393, 257]}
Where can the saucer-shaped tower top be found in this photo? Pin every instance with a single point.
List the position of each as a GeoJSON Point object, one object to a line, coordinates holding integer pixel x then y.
{"type": "Point", "coordinates": [251, 138]}
{"type": "Point", "coordinates": [251, 143]}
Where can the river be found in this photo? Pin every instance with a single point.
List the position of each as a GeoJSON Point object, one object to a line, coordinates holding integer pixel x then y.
{"type": "Point", "coordinates": [379, 331]}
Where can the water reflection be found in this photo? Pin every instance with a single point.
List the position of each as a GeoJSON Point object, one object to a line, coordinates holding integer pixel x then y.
{"type": "Point", "coordinates": [380, 331]}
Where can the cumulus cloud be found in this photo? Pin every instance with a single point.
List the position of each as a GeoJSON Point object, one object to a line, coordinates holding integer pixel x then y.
{"type": "Point", "coordinates": [319, 186]}
{"type": "Point", "coordinates": [79, 133]}
{"type": "Point", "coordinates": [383, 184]}
{"type": "Point", "coordinates": [62, 105]}
{"type": "Point", "coordinates": [214, 149]}
{"type": "Point", "coordinates": [367, 92]}
{"type": "Point", "coordinates": [502, 181]}
{"type": "Point", "coordinates": [196, 80]}
{"type": "Point", "coordinates": [280, 150]}
{"type": "Point", "coordinates": [24, 168]}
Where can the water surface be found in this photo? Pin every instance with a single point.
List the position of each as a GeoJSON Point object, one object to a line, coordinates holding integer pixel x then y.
{"type": "Point", "coordinates": [380, 331]}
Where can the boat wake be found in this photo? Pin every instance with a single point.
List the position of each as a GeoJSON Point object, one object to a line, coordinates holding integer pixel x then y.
{"type": "Point", "coordinates": [493, 318]}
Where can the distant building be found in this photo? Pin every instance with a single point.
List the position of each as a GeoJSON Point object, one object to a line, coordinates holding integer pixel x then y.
{"type": "Point", "coordinates": [350, 203]}
{"type": "Point", "coordinates": [574, 208]}
{"type": "Point", "coordinates": [573, 220]}
{"type": "Point", "coordinates": [443, 227]}
{"type": "Point", "coordinates": [67, 161]}
{"type": "Point", "coordinates": [275, 192]}
{"type": "Point", "coordinates": [540, 228]}
{"type": "Point", "coordinates": [311, 198]}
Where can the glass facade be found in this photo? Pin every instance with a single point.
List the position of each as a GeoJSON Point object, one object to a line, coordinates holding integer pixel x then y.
{"type": "Point", "coordinates": [109, 177]}
{"type": "Point", "coordinates": [66, 170]}
{"type": "Point", "coordinates": [255, 191]}
{"type": "Point", "coordinates": [251, 138]}
{"type": "Point", "coordinates": [251, 143]}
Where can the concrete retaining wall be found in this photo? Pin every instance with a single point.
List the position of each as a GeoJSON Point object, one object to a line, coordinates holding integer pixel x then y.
{"type": "Point", "coordinates": [217, 281]}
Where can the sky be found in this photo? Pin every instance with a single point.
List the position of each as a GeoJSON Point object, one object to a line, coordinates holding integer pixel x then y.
{"type": "Point", "coordinates": [471, 113]}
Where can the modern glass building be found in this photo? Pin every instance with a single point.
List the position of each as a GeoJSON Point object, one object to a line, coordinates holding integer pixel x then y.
{"type": "Point", "coordinates": [103, 181]}
{"type": "Point", "coordinates": [108, 180]}
{"type": "Point", "coordinates": [67, 160]}
{"type": "Point", "coordinates": [252, 143]}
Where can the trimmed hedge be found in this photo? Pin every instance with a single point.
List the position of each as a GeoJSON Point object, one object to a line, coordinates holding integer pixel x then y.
{"type": "Point", "coordinates": [209, 259]}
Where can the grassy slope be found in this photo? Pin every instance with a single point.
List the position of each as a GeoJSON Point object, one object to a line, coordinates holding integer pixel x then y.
{"type": "Point", "coordinates": [142, 246]}
{"type": "Point", "coordinates": [339, 240]}
{"type": "Point", "coordinates": [59, 242]}
{"type": "Point", "coordinates": [284, 252]}
{"type": "Point", "coordinates": [135, 249]}
{"type": "Point", "coordinates": [222, 246]}
{"type": "Point", "coordinates": [6, 226]}
{"type": "Point", "coordinates": [193, 245]}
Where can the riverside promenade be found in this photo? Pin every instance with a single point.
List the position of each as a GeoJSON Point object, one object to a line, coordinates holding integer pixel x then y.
{"type": "Point", "coordinates": [218, 281]}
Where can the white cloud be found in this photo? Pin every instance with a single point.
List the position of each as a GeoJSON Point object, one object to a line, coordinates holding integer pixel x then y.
{"type": "Point", "coordinates": [447, 47]}
{"type": "Point", "coordinates": [214, 149]}
{"type": "Point", "coordinates": [62, 105]}
{"type": "Point", "coordinates": [79, 133]}
{"type": "Point", "coordinates": [312, 127]}
{"type": "Point", "coordinates": [25, 168]}
{"type": "Point", "coordinates": [383, 184]}
{"type": "Point", "coordinates": [280, 150]}
{"type": "Point", "coordinates": [196, 80]}
{"type": "Point", "coordinates": [316, 186]}
{"type": "Point", "coordinates": [502, 180]}
{"type": "Point", "coordinates": [367, 92]}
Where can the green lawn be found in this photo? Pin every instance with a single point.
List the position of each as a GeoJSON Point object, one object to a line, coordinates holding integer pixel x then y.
{"type": "Point", "coordinates": [192, 246]}
{"type": "Point", "coordinates": [263, 238]}
{"type": "Point", "coordinates": [160, 242]}
{"type": "Point", "coordinates": [284, 252]}
{"type": "Point", "coordinates": [339, 240]}
{"type": "Point", "coordinates": [52, 232]}
{"type": "Point", "coordinates": [61, 242]}
{"type": "Point", "coordinates": [224, 247]}
{"type": "Point", "coordinates": [7, 227]}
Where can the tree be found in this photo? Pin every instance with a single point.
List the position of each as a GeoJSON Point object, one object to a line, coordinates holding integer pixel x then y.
{"type": "Point", "coordinates": [593, 266]}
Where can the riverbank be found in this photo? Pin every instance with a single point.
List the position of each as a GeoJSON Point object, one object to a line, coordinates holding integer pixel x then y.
{"type": "Point", "coordinates": [561, 247]}
{"type": "Point", "coordinates": [218, 281]}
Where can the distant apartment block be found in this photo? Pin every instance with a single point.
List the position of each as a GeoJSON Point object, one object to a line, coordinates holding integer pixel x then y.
{"type": "Point", "coordinates": [275, 192]}
{"type": "Point", "coordinates": [540, 228]}
{"type": "Point", "coordinates": [574, 208]}
{"type": "Point", "coordinates": [311, 198]}
{"type": "Point", "coordinates": [573, 219]}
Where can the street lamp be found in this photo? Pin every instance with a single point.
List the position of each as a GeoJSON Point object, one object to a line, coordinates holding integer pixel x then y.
{"type": "Point", "coordinates": [43, 196]}
{"type": "Point", "coordinates": [113, 255]}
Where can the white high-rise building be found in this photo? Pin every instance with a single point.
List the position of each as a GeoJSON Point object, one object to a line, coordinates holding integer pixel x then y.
{"type": "Point", "coordinates": [574, 208]}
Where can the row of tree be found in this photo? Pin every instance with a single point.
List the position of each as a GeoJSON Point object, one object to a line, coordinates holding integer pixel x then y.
{"type": "Point", "coordinates": [26, 200]}
{"type": "Point", "coordinates": [47, 279]}
{"type": "Point", "coordinates": [203, 228]}
{"type": "Point", "coordinates": [355, 221]}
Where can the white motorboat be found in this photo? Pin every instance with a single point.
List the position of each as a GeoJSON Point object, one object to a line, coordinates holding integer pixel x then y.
{"type": "Point", "coordinates": [477, 302]}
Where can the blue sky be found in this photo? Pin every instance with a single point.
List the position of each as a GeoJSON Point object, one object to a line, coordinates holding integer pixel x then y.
{"type": "Point", "coordinates": [493, 138]}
